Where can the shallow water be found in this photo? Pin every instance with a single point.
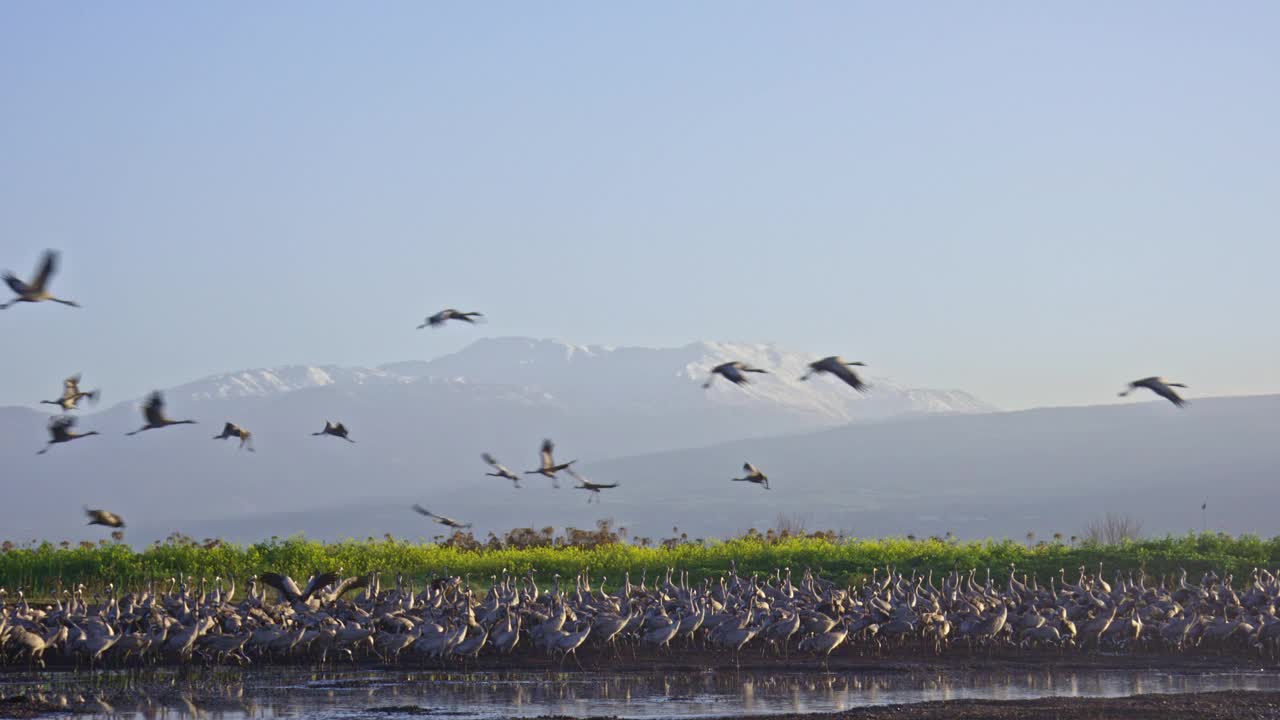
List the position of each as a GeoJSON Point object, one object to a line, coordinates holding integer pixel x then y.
{"type": "Point", "coordinates": [283, 693]}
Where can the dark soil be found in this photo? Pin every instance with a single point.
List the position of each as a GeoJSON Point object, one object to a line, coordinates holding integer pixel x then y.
{"type": "Point", "coordinates": [1233, 705]}
{"type": "Point", "coordinates": [24, 707]}
{"type": "Point", "coordinates": [1190, 706]}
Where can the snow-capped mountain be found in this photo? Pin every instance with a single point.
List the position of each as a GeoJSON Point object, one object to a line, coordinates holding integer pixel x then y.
{"type": "Point", "coordinates": [602, 375]}
{"type": "Point", "coordinates": [594, 380]}
{"type": "Point", "coordinates": [421, 426]}
{"type": "Point", "coordinates": [262, 382]}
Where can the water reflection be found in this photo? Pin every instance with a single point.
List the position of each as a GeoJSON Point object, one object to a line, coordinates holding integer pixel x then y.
{"type": "Point", "coordinates": [291, 693]}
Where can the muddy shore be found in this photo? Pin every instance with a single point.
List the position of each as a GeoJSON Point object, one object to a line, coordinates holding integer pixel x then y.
{"type": "Point", "coordinates": [1187, 706]}
{"type": "Point", "coordinates": [232, 690]}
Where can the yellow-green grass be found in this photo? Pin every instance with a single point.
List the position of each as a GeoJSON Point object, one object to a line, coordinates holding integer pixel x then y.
{"type": "Point", "coordinates": [39, 568]}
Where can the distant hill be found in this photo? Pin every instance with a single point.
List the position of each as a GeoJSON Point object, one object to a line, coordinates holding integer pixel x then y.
{"type": "Point", "coordinates": [419, 427]}
{"type": "Point", "coordinates": [993, 475]}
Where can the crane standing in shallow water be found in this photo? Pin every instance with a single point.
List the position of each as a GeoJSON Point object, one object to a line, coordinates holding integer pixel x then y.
{"type": "Point", "coordinates": [38, 289]}
{"type": "Point", "coordinates": [1159, 386]}
{"type": "Point", "coordinates": [153, 411]}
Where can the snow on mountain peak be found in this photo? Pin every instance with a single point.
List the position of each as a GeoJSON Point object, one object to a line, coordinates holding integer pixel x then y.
{"type": "Point", "coordinates": [608, 378]}
{"type": "Point", "coordinates": [263, 382]}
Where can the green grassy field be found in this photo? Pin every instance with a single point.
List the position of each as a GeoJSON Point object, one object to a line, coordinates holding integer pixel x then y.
{"type": "Point", "coordinates": [40, 568]}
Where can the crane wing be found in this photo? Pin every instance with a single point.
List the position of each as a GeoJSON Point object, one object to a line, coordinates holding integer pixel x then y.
{"type": "Point", "coordinates": [346, 586]}
{"type": "Point", "coordinates": [423, 511]}
{"type": "Point", "coordinates": [283, 584]}
{"type": "Point", "coordinates": [15, 284]}
{"type": "Point", "coordinates": [850, 377]}
{"type": "Point", "coordinates": [317, 583]}
{"type": "Point", "coordinates": [1167, 393]}
{"type": "Point", "coordinates": [48, 266]}
{"type": "Point", "coordinates": [154, 408]}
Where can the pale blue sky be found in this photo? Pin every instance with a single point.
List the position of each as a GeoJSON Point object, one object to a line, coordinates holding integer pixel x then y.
{"type": "Point", "coordinates": [1034, 202]}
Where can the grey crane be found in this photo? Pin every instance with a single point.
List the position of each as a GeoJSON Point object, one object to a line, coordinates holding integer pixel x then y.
{"type": "Point", "coordinates": [593, 487]}
{"type": "Point", "coordinates": [501, 470]}
{"type": "Point", "coordinates": [60, 432]}
{"type": "Point", "coordinates": [446, 521]}
{"type": "Point", "coordinates": [104, 517]}
{"type": "Point", "coordinates": [753, 476]}
{"type": "Point", "coordinates": [733, 372]}
{"type": "Point", "coordinates": [289, 591]}
{"type": "Point", "coordinates": [337, 430]}
{"type": "Point", "coordinates": [1159, 386]}
{"type": "Point", "coordinates": [549, 466]}
{"type": "Point", "coordinates": [837, 366]}
{"type": "Point", "coordinates": [448, 314]}
{"type": "Point", "coordinates": [38, 289]}
{"type": "Point", "coordinates": [153, 412]}
{"type": "Point", "coordinates": [71, 395]}
{"type": "Point", "coordinates": [823, 643]}
{"type": "Point", "coordinates": [231, 430]}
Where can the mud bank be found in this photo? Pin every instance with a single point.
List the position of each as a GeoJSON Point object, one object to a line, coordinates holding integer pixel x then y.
{"type": "Point", "coordinates": [1082, 686]}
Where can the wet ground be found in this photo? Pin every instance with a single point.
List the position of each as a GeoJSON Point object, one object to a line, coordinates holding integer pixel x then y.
{"type": "Point", "coordinates": [986, 689]}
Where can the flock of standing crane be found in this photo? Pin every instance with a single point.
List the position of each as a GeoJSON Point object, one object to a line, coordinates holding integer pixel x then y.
{"type": "Point", "coordinates": [62, 427]}
{"type": "Point", "coordinates": [444, 621]}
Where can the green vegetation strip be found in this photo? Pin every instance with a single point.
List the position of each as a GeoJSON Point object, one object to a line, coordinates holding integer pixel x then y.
{"type": "Point", "coordinates": [40, 568]}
